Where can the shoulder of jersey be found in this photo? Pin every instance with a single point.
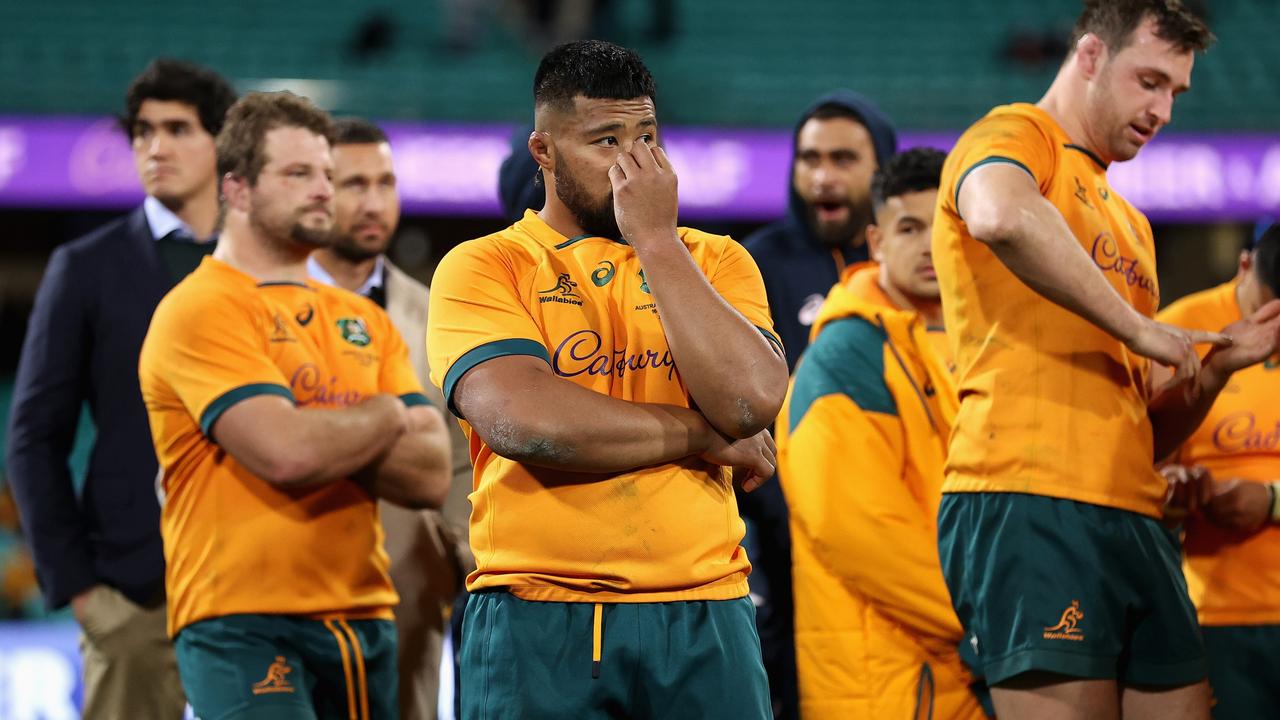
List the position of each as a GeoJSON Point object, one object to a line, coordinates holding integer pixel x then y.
{"type": "Point", "coordinates": [693, 237]}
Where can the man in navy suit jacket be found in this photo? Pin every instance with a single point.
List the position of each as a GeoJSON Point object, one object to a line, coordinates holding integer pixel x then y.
{"type": "Point", "coordinates": [101, 551]}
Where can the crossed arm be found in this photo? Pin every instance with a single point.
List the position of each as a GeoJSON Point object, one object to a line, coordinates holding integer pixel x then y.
{"type": "Point", "coordinates": [525, 413]}
{"type": "Point", "coordinates": [397, 453]}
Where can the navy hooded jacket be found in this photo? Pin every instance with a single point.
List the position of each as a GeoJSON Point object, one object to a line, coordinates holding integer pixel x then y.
{"type": "Point", "coordinates": [798, 268]}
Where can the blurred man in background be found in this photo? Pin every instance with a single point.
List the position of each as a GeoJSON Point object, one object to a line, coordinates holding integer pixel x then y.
{"type": "Point", "coordinates": [281, 410]}
{"type": "Point", "coordinates": [876, 636]}
{"type": "Point", "coordinates": [428, 551]}
{"type": "Point", "coordinates": [100, 549]}
{"type": "Point", "coordinates": [1067, 585]}
{"type": "Point", "coordinates": [838, 144]}
{"type": "Point", "coordinates": [1232, 546]}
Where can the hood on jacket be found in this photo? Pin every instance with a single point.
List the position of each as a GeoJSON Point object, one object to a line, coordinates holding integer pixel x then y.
{"type": "Point", "coordinates": [883, 137]}
{"type": "Point", "coordinates": [859, 295]}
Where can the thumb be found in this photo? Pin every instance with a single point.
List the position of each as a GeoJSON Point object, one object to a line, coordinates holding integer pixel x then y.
{"type": "Point", "coordinates": [1202, 337]}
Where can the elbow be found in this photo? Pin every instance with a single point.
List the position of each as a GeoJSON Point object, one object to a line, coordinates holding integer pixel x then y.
{"type": "Point", "coordinates": [290, 471]}
{"type": "Point", "coordinates": [746, 416]}
{"type": "Point", "coordinates": [533, 441]}
{"type": "Point", "coordinates": [991, 224]}
{"type": "Point", "coordinates": [430, 492]}
{"type": "Point", "coordinates": [754, 408]}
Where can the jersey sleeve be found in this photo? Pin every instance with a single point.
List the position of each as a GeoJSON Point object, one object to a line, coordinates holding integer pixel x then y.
{"type": "Point", "coordinates": [477, 315]}
{"type": "Point", "coordinates": [737, 279]}
{"type": "Point", "coordinates": [396, 374]}
{"type": "Point", "coordinates": [1006, 138]}
{"type": "Point", "coordinates": [209, 353]}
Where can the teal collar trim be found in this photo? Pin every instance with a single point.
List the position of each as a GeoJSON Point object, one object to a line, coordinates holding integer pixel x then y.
{"type": "Point", "coordinates": [1088, 152]}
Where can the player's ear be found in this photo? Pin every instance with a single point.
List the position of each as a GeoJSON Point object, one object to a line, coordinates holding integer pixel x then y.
{"type": "Point", "coordinates": [235, 191]}
{"type": "Point", "coordinates": [1246, 262]}
{"type": "Point", "coordinates": [542, 150]}
{"type": "Point", "coordinates": [1090, 54]}
{"type": "Point", "coordinates": [874, 240]}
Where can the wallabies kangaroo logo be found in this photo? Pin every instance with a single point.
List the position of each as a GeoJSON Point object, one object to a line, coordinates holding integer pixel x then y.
{"type": "Point", "coordinates": [562, 292]}
{"type": "Point", "coordinates": [1068, 625]}
{"type": "Point", "coordinates": [275, 681]}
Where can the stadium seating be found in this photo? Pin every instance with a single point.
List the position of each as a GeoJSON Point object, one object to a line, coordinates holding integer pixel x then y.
{"type": "Point", "coordinates": [932, 63]}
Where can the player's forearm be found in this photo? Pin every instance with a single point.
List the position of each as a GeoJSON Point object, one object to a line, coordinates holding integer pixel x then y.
{"type": "Point", "coordinates": [331, 444]}
{"type": "Point", "coordinates": [414, 473]}
{"type": "Point", "coordinates": [1033, 240]}
{"type": "Point", "coordinates": [736, 377]}
{"type": "Point", "coordinates": [556, 424]}
{"type": "Point", "coordinates": [1174, 419]}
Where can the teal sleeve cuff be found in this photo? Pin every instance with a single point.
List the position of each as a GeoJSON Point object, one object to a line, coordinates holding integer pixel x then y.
{"type": "Point", "coordinates": [231, 397]}
{"type": "Point", "coordinates": [412, 399]}
{"type": "Point", "coordinates": [773, 339]}
{"type": "Point", "coordinates": [489, 351]}
{"type": "Point", "coordinates": [989, 161]}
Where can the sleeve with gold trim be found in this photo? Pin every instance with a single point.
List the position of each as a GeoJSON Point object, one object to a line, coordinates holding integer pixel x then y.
{"type": "Point", "coordinates": [477, 314]}
{"type": "Point", "coordinates": [208, 353]}
{"type": "Point", "coordinates": [737, 279]}
{"type": "Point", "coordinates": [840, 408]}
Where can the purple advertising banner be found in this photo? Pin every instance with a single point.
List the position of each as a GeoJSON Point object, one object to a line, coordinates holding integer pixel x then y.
{"type": "Point", "coordinates": [725, 174]}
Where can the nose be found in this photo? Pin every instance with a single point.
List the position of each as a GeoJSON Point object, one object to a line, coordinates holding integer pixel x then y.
{"type": "Point", "coordinates": [373, 202]}
{"type": "Point", "coordinates": [322, 190]}
{"type": "Point", "coordinates": [1162, 110]}
{"type": "Point", "coordinates": [159, 144]}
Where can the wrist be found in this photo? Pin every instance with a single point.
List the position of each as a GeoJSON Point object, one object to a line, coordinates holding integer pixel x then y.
{"type": "Point", "coordinates": [700, 433]}
{"type": "Point", "coordinates": [655, 240]}
{"type": "Point", "coordinates": [1213, 377]}
{"type": "Point", "coordinates": [1131, 326]}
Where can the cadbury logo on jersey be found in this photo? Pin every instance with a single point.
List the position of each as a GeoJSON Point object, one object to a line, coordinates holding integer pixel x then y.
{"type": "Point", "coordinates": [582, 353]}
{"type": "Point", "coordinates": [1107, 256]}
{"type": "Point", "coordinates": [1239, 432]}
{"type": "Point", "coordinates": [309, 388]}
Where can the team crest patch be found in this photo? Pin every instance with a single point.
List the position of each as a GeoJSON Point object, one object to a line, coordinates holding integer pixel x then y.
{"type": "Point", "coordinates": [354, 331]}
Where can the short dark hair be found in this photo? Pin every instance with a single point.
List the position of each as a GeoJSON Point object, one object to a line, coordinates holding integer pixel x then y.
{"type": "Point", "coordinates": [179, 81]}
{"type": "Point", "coordinates": [909, 171]}
{"type": "Point", "coordinates": [593, 69]}
{"type": "Point", "coordinates": [357, 131]}
{"type": "Point", "coordinates": [1266, 258]}
{"type": "Point", "coordinates": [1113, 22]}
{"type": "Point", "coordinates": [239, 145]}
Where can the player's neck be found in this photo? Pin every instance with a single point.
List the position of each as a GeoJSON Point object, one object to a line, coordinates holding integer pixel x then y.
{"type": "Point", "coordinates": [1247, 296]}
{"type": "Point", "coordinates": [346, 274]}
{"type": "Point", "coordinates": [558, 217]}
{"type": "Point", "coordinates": [242, 247]}
{"type": "Point", "coordinates": [929, 310]}
{"type": "Point", "coordinates": [1065, 104]}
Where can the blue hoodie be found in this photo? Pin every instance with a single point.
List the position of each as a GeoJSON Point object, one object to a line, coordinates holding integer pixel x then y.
{"type": "Point", "coordinates": [798, 268]}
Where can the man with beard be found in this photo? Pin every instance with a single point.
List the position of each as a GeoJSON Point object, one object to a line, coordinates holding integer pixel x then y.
{"type": "Point", "coordinates": [429, 557]}
{"type": "Point", "coordinates": [610, 368]}
{"type": "Point", "coordinates": [839, 143]}
{"type": "Point", "coordinates": [280, 411]}
{"type": "Point", "coordinates": [1066, 583]}
{"type": "Point", "coordinates": [99, 549]}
